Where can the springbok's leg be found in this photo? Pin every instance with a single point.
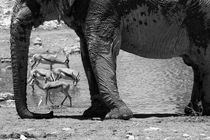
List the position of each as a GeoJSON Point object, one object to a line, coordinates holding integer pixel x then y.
{"type": "Point", "coordinates": [50, 98]}
{"type": "Point", "coordinates": [58, 76]}
{"type": "Point", "coordinates": [70, 100]}
{"type": "Point", "coordinates": [63, 100]}
{"type": "Point", "coordinates": [53, 77]}
{"type": "Point", "coordinates": [40, 101]}
{"type": "Point", "coordinates": [33, 89]}
{"type": "Point", "coordinates": [51, 66]}
{"type": "Point", "coordinates": [74, 82]}
{"type": "Point", "coordinates": [35, 64]}
{"type": "Point", "coordinates": [45, 80]}
{"type": "Point", "coordinates": [47, 96]}
{"type": "Point", "coordinates": [32, 65]}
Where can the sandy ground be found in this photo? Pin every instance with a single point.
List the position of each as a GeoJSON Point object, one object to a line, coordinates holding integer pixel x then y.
{"type": "Point", "coordinates": [69, 123]}
{"type": "Point", "coordinates": [141, 127]}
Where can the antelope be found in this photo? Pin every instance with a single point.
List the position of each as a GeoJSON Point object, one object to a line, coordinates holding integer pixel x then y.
{"type": "Point", "coordinates": [41, 74]}
{"type": "Point", "coordinates": [72, 49]}
{"type": "Point", "coordinates": [67, 74]}
{"type": "Point", "coordinates": [9, 67]}
{"type": "Point", "coordinates": [54, 87]}
{"type": "Point", "coordinates": [48, 59]}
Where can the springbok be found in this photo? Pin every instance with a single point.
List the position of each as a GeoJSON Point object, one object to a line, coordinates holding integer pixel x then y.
{"type": "Point", "coordinates": [54, 87]}
{"type": "Point", "coordinates": [72, 49]}
{"type": "Point", "coordinates": [67, 74]}
{"type": "Point", "coordinates": [49, 59]}
{"type": "Point", "coordinates": [41, 74]}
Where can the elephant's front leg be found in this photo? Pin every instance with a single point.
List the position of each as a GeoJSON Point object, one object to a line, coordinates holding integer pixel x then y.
{"type": "Point", "coordinates": [103, 48]}
{"type": "Point", "coordinates": [98, 108]}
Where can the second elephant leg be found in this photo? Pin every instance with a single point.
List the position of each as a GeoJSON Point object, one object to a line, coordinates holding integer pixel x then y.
{"type": "Point", "coordinates": [97, 108]}
{"type": "Point", "coordinates": [200, 100]}
{"type": "Point", "coordinates": [194, 107]}
{"type": "Point", "coordinates": [103, 60]}
{"type": "Point", "coordinates": [205, 90]}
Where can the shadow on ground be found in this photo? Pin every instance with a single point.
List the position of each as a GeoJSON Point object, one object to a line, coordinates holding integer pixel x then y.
{"type": "Point", "coordinates": [139, 116]}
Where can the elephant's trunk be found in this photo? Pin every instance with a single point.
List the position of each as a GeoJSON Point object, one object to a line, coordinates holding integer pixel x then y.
{"type": "Point", "coordinates": [20, 37]}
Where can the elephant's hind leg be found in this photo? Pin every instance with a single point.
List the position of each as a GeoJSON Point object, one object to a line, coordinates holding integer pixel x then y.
{"type": "Point", "coordinates": [194, 107]}
{"type": "Point", "coordinates": [205, 90]}
{"type": "Point", "coordinates": [200, 100]}
{"type": "Point", "coordinates": [199, 53]}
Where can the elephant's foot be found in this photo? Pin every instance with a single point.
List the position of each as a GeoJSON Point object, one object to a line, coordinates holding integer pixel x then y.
{"type": "Point", "coordinates": [122, 112]}
{"type": "Point", "coordinates": [206, 109]}
{"type": "Point", "coordinates": [193, 110]}
{"type": "Point", "coordinates": [96, 110]}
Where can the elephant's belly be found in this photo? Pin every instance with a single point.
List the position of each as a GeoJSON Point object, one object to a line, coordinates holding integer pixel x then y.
{"type": "Point", "coordinates": [152, 36]}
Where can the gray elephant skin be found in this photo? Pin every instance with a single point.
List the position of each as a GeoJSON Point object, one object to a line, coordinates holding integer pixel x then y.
{"type": "Point", "coordinates": [158, 29]}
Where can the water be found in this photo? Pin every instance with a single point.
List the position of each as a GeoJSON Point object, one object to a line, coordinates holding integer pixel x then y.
{"type": "Point", "coordinates": [146, 85]}
{"type": "Point", "coordinates": [152, 85]}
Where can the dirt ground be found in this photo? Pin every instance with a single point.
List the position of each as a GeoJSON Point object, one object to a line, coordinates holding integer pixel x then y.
{"type": "Point", "coordinates": [69, 124]}
{"type": "Point", "coordinates": [141, 127]}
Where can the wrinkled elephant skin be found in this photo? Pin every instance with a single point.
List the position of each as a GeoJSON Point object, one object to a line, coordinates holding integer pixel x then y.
{"type": "Point", "coordinates": [159, 29]}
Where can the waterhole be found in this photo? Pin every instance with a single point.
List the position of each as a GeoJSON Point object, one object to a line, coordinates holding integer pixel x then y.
{"type": "Point", "coordinates": [146, 85]}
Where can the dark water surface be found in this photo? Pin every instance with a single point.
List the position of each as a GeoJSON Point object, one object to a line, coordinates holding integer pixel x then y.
{"type": "Point", "coordinates": [146, 85]}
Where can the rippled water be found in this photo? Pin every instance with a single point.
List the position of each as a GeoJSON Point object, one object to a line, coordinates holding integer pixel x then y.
{"type": "Point", "coordinates": [151, 85]}
{"type": "Point", "coordinates": [146, 85]}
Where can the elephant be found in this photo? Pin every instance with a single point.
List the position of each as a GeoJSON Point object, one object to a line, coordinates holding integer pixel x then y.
{"type": "Point", "coordinates": [158, 29]}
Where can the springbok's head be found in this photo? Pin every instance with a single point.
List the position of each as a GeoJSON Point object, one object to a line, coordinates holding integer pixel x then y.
{"type": "Point", "coordinates": [67, 61]}
{"type": "Point", "coordinates": [77, 79]}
